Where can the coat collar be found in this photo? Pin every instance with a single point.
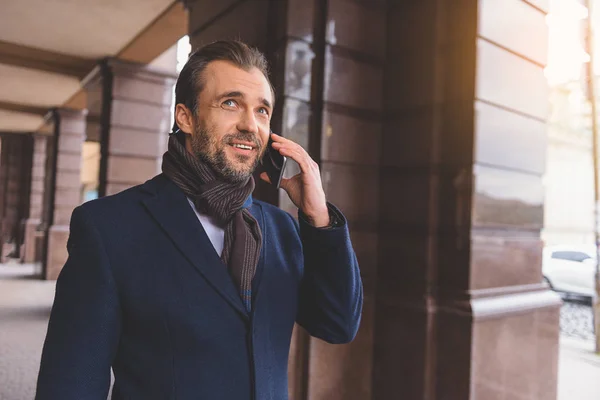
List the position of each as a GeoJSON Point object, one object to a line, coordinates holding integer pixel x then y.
{"type": "Point", "coordinates": [171, 210]}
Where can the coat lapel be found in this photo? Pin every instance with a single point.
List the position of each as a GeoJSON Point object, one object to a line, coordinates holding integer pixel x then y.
{"type": "Point", "coordinates": [172, 212]}
{"type": "Point", "coordinates": [257, 213]}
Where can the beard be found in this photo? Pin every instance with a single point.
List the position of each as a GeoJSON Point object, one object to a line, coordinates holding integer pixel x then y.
{"type": "Point", "coordinates": [210, 149]}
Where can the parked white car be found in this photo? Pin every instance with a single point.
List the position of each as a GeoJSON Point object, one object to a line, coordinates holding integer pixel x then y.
{"type": "Point", "coordinates": [570, 269]}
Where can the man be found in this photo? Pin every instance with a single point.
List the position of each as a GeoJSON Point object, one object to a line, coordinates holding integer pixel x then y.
{"type": "Point", "coordinates": [187, 286]}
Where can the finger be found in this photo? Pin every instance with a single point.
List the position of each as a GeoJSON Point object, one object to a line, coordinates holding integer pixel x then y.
{"type": "Point", "coordinates": [283, 142]}
{"type": "Point", "coordinates": [280, 139]}
{"type": "Point", "coordinates": [295, 147]}
{"type": "Point", "coordinates": [307, 165]}
{"type": "Point", "coordinates": [298, 154]}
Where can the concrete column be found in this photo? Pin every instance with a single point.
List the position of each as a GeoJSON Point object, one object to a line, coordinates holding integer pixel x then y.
{"type": "Point", "coordinates": [427, 119]}
{"type": "Point", "coordinates": [24, 192]}
{"type": "Point", "coordinates": [12, 158]}
{"type": "Point", "coordinates": [16, 180]}
{"type": "Point", "coordinates": [65, 184]}
{"type": "Point", "coordinates": [130, 105]}
{"type": "Point", "coordinates": [461, 311]}
{"type": "Point", "coordinates": [33, 235]}
{"type": "Point", "coordinates": [4, 151]}
{"type": "Point", "coordinates": [11, 155]}
{"type": "Point", "coordinates": [328, 99]}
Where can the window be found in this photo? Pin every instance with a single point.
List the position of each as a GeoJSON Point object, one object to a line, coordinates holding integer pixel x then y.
{"type": "Point", "coordinates": [577, 256]}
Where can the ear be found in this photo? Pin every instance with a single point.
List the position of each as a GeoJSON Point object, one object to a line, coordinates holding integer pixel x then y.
{"type": "Point", "coordinates": [184, 118]}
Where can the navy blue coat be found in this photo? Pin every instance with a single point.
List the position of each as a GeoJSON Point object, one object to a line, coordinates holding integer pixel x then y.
{"type": "Point", "coordinates": [145, 292]}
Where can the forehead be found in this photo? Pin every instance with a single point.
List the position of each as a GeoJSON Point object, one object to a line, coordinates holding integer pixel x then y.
{"type": "Point", "coordinates": [222, 76]}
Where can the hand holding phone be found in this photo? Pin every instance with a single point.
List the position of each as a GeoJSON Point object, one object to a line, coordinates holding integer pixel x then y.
{"type": "Point", "coordinates": [274, 164]}
{"type": "Point", "coordinates": [305, 189]}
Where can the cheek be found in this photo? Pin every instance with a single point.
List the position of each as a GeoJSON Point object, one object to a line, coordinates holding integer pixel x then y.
{"type": "Point", "coordinates": [264, 135]}
{"type": "Point", "coordinates": [225, 119]}
{"type": "Point", "coordinates": [218, 121]}
{"type": "Point", "coordinates": [215, 133]}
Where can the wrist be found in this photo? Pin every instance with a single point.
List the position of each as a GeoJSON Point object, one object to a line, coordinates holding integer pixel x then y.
{"type": "Point", "coordinates": [318, 219]}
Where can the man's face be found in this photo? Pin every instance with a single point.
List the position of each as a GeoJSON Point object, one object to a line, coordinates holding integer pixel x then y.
{"type": "Point", "coordinates": [231, 126]}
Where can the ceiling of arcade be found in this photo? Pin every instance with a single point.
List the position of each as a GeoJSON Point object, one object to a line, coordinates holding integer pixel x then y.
{"type": "Point", "coordinates": [48, 46]}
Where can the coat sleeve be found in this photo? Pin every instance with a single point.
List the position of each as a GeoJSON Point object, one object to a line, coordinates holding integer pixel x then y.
{"type": "Point", "coordinates": [331, 295]}
{"type": "Point", "coordinates": [85, 321]}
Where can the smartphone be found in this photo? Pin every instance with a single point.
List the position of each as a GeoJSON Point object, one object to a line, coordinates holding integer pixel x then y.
{"type": "Point", "coordinates": [273, 163]}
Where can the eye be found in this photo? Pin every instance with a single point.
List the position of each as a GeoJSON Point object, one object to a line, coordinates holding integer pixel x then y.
{"type": "Point", "coordinates": [230, 103]}
{"type": "Point", "coordinates": [263, 110]}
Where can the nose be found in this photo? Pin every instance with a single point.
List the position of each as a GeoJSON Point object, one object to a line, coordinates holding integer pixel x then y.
{"type": "Point", "coordinates": [247, 122]}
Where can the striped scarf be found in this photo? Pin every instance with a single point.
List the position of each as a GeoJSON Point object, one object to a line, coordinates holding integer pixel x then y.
{"type": "Point", "coordinates": [222, 201]}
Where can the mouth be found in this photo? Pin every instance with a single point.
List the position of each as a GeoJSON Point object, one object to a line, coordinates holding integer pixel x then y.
{"type": "Point", "coordinates": [243, 148]}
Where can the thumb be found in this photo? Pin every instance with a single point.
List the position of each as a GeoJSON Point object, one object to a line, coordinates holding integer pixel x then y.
{"type": "Point", "coordinates": [265, 177]}
{"type": "Point", "coordinates": [285, 184]}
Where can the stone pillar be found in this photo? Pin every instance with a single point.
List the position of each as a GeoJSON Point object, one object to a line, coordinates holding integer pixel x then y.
{"type": "Point", "coordinates": [427, 119]}
{"type": "Point", "coordinates": [328, 78]}
{"type": "Point", "coordinates": [65, 184]}
{"type": "Point", "coordinates": [4, 151]}
{"type": "Point", "coordinates": [461, 309]}
{"type": "Point", "coordinates": [24, 192]}
{"type": "Point", "coordinates": [333, 107]}
{"type": "Point", "coordinates": [130, 105]}
{"type": "Point", "coordinates": [38, 173]}
{"type": "Point", "coordinates": [12, 157]}
{"type": "Point", "coordinates": [17, 154]}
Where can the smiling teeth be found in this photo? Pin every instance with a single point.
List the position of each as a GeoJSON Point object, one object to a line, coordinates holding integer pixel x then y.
{"type": "Point", "coordinates": [242, 146]}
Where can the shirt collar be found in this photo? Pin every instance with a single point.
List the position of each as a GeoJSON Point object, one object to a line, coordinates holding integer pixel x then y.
{"type": "Point", "coordinates": [248, 202]}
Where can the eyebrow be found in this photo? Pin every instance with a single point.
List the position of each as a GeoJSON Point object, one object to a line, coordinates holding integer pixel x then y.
{"type": "Point", "coordinates": [240, 95]}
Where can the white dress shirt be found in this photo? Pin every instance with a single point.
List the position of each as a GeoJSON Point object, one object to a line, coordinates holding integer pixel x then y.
{"type": "Point", "coordinates": [215, 233]}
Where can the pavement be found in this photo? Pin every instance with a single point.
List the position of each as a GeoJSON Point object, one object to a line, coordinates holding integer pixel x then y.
{"type": "Point", "coordinates": [25, 304]}
{"type": "Point", "coordinates": [579, 367]}
{"type": "Point", "coordinates": [578, 371]}
{"type": "Point", "coordinates": [24, 311]}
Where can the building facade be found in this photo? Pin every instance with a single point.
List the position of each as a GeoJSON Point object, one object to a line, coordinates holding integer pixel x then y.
{"type": "Point", "coordinates": [428, 120]}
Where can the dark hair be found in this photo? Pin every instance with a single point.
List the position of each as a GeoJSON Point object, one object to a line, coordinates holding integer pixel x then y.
{"type": "Point", "coordinates": [190, 81]}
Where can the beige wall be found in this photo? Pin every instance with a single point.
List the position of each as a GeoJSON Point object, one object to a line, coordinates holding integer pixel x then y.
{"type": "Point", "coordinates": [568, 183]}
{"type": "Point", "coordinates": [90, 166]}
